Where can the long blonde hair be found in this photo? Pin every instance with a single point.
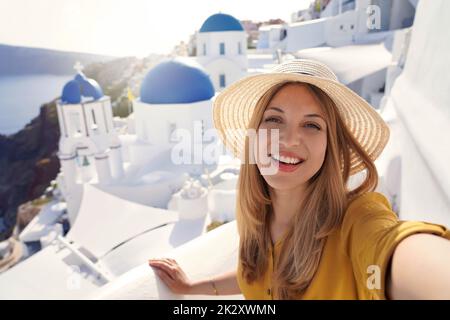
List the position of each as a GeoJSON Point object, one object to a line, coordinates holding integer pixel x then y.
{"type": "Point", "coordinates": [322, 209]}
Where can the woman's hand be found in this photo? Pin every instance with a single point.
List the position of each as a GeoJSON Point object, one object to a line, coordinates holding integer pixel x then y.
{"type": "Point", "coordinates": [172, 275]}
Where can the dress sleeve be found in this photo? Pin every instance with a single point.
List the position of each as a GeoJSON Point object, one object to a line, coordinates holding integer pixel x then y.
{"type": "Point", "coordinates": [370, 233]}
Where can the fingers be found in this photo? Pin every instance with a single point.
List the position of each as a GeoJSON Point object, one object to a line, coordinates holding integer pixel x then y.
{"type": "Point", "coordinates": [171, 274]}
{"type": "Point", "coordinates": [159, 270]}
{"type": "Point", "coordinates": [163, 259]}
{"type": "Point", "coordinates": [169, 263]}
{"type": "Point", "coordinates": [165, 277]}
{"type": "Point", "coordinates": [167, 260]}
{"type": "Point", "coordinates": [167, 266]}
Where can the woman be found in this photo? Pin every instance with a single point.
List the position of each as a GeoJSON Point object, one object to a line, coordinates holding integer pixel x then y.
{"type": "Point", "coordinates": [303, 233]}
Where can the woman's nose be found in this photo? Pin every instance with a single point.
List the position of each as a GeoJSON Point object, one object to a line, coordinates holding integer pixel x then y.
{"type": "Point", "coordinates": [290, 136]}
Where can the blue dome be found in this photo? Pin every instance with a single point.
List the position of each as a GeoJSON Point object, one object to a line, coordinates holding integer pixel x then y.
{"type": "Point", "coordinates": [176, 81]}
{"type": "Point", "coordinates": [221, 22]}
{"type": "Point", "coordinates": [81, 87]}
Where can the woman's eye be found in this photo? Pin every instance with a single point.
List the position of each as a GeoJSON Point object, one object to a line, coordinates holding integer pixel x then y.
{"type": "Point", "coordinates": [313, 125]}
{"type": "Point", "coordinates": [272, 119]}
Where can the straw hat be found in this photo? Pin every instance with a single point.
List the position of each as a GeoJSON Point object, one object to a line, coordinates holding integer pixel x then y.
{"type": "Point", "coordinates": [234, 107]}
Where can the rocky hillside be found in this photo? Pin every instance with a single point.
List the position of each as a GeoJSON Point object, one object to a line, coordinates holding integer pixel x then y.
{"type": "Point", "coordinates": [29, 163]}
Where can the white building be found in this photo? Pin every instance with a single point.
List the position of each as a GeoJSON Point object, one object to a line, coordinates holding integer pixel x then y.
{"type": "Point", "coordinates": [222, 49]}
{"type": "Point", "coordinates": [271, 38]}
{"type": "Point", "coordinates": [89, 147]}
{"type": "Point", "coordinates": [341, 23]}
{"type": "Point", "coordinates": [174, 108]}
{"type": "Point", "coordinates": [354, 38]}
{"type": "Point", "coordinates": [347, 22]}
{"type": "Point", "coordinates": [416, 106]}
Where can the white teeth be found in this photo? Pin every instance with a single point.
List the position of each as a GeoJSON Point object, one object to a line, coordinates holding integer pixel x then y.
{"type": "Point", "coordinates": [284, 159]}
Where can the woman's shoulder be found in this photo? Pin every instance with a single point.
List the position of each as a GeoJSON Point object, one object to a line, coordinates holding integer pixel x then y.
{"type": "Point", "coordinates": [367, 216]}
{"type": "Point", "coordinates": [366, 207]}
{"type": "Point", "coordinates": [369, 201]}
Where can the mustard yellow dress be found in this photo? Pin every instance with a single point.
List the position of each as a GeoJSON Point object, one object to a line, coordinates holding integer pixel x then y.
{"type": "Point", "coordinates": [353, 254]}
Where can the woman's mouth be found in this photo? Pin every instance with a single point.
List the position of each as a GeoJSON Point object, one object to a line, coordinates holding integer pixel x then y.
{"type": "Point", "coordinates": [286, 163]}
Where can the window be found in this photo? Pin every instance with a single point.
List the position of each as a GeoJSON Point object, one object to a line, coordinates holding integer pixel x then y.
{"type": "Point", "coordinates": [348, 5]}
{"type": "Point", "coordinates": [204, 49]}
{"type": "Point", "coordinates": [94, 121]}
{"type": "Point", "coordinates": [222, 48]}
{"type": "Point", "coordinates": [85, 162]}
{"type": "Point", "coordinates": [75, 122]}
{"type": "Point", "coordinates": [93, 116]}
{"type": "Point", "coordinates": [239, 48]}
{"type": "Point", "coordinates": [222, 81]}
{"type": "Point", "coordinates": [203, 127]}
{"type": "Point", "coordinates": [82, 160]}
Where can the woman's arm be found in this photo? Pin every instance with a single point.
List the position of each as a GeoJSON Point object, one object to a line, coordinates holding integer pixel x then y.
{"type": "Point", "coordinates": [174, 277]}
{"type": "Point", "coordinates": [420, 268]}
{"type": "Point", "coordinates": [225, 284]}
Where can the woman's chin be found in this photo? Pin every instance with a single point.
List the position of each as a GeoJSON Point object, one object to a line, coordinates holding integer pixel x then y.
{"type": "Point", "coordinates": [283, 183]}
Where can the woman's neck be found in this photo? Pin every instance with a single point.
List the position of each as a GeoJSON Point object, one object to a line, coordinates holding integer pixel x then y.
{"type": "Point", "coordinates": [285, 204]}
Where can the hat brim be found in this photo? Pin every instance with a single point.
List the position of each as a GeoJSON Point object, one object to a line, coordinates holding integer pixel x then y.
{"type": "Point", "coordinates": [234, 106]}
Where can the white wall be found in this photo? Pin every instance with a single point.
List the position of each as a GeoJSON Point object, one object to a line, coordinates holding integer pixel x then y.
{"type": "Point", "coordinates": [219, 245]}
{"type": "Point", "coordinates": [232, 63]}
{"type": "Point", "coordinates": [271, 38]}
{"type": "Point", "coordinates": [332, 9]}
{"type": "Point", "coordinates": [229, 68]}
{"type": "Point", "coordinates": [421, 99]}
{"type": "Point", "coordinates": [302, 35]}
{"type": "Point", "coordinates": [340, 30]}
{"type": "Point", "coordinates": [154, 195]}
{"type": "Point", "coordinates": [229, 38]}
{"type": "Point", "coordinates": [91, 118]}
{"type": "Point", "coordinates": [348, 27]}
{"type": "Point", "coordinates": [153, 120]}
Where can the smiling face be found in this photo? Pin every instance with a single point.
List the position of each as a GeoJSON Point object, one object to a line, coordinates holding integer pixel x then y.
{"type": "Point", "coordinates": [297, 113]}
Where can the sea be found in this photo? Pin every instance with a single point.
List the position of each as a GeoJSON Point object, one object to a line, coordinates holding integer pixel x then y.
{"type": "Point", "coordinates": [21, 97]}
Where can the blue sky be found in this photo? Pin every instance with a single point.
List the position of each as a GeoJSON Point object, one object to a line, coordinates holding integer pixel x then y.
{"type": "Point", "coordinates": [123, 27]}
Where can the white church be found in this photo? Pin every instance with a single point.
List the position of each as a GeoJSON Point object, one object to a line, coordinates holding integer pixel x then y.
{"type": "Point", "coordinates": [87, 132]}
{"type": "Point", "coordinates": [222, 49]}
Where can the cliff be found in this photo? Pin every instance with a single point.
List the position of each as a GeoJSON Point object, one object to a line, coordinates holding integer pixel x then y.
{"type": "Point", "coordinates": [29, 163]}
